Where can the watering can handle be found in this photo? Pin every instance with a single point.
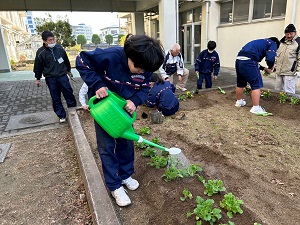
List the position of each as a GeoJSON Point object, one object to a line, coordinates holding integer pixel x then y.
{"type": "Point", "coordinates": [92, 99]}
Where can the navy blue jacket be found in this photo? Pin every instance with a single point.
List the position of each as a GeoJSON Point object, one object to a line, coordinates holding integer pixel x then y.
{"type": "Point", "coordinates": [109, 68]}
{"type": "Point", "coordinates": [258, 49]}
{"type": "Point", "coordinates": [208, 62]}
{"type": "Point", "coordinates": [162, 96]}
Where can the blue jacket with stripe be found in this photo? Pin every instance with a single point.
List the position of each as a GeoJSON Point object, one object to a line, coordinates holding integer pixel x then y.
{"type": "Point", "coordinates": [109, 68]}
{"type": "Point", "coordinates": [207, 62]}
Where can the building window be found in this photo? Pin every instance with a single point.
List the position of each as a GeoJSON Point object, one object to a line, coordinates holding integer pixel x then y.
{"type": "Point", "coordinates": [226, 12]}
{"type": "Point", "coordinates": [197, 14]}
{"type": "Point", "coordinates": [239, 10]}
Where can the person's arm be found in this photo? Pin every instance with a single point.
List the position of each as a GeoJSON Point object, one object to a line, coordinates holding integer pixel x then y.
{"type": "Point", "coordinates": [270, 55]}
{"type": "Point", "coordinates": [66, 59]}
{"type": "Point", "coordinates": [38, 68]}
{"type": "Point", "coordinates": [151, 100]}
{"type": "Point", "coordinates": [217, 65]}
{"type": "Point", "coordinates": [163, 73]}
{"type": "Point", "coordinates": [180, 65]}
{"type": "Point", "coordinates": [82, 94]}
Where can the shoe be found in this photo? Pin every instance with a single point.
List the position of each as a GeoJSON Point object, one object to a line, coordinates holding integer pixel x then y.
{"type": "Point", "coordinates": [240, 103]}
{"type": "Point", "coordinates": [259, 111]}
{"type": "Point", "coordinates": [131, 183]}
{"type": "Point", "coordinates": [121, 197]}
{"type": "Point", "coordinates": [181, 88]}
{"type": "Point", "coordinates": [62, 120]}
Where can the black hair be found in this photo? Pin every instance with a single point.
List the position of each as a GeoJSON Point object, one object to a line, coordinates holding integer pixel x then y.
{"type": "Point", "coordinates": [211, 45]}
{"type": "Point", "coordinates": [156, 78]}
{"type": "Point", "coordinates": [47, 34]}
{"type": "Point", "coordinates": [145, 52]}
{"type": "Point", "coordinates": [275, 39]}
{"type": "Point", "coordinates": [128, 36]}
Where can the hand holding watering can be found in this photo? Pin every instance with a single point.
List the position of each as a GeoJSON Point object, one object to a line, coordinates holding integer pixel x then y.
{"type": "Point", "coordinates": [109, 113]}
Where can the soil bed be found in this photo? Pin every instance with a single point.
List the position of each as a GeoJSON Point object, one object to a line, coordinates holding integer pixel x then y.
{"type": "Point", "coordinates": [256, 157]}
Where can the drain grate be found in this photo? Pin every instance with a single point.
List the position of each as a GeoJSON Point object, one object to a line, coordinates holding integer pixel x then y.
{"type": "Point", "coordinates": [31, 120]}
{"type": "Point", "coordinates": [4, 150]}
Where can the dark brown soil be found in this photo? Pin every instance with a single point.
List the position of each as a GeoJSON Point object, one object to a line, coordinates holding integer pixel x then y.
{"type": "Point", "coordinates": [256, 157]}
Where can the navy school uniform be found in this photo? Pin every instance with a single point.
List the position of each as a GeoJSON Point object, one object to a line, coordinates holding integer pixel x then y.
{"type": "Point", "coordinates": [109, 68]}
{"type": "Point", "coordinates": [162, 96]}
{"type": "Point", "coordinates": [206, 64]}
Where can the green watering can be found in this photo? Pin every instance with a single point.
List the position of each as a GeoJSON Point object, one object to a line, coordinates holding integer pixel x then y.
{"type": "Point", "coordinates": [110, 114]}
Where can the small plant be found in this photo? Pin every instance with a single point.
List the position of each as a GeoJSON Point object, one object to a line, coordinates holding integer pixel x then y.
{"type": "Point", "coordinates": [158, 162]}
{"type": "Point", "coordinates": [155, 140]}
{"type": "Point", "coordinates": [282, 97]}
{"type": "Point", "coordinates": [182, 97]}
{"type": "Point", "coordinates": [141, 145]}
{"type": "Point", "coordinates": [265, 94]}
{"type": "Point", "coordinates": [247, 90]}
{"type": "Point", "coordinates": [172, 173]}
{"type": "Point", "coordinates": [145, 130]}
{"type": "Point", "coordinates": [229, 223]}
{"type": "Point", "coordinates": [205, 211]}
{"type": "Point", "coordinates": [149, 152]}
{"type": "Point", "coordinates": [213, 187]}
{"type": "Point", "coordinates": [222, 91]}
{"type": "Point", "coordinates": [189, 94]}
{"type": "Point", "coordinates": [294, 100]}
{"type": "Point", "coordinates": [201, 179]}
{"type": "Point", "coordinates": [191, 170]}
{"type": "Point", "coordinates": [186, 195]}
{"type": "Point", "coordinates": [231, 204]}
{"type": "Point", "coordinates": [256, 224]}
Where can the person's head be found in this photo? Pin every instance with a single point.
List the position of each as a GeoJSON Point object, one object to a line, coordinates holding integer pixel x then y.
{"type": "Point", "coordinates": [128, 36]}
{"type": "Point", "coordinates": [157, 78]}
{"type": "Point", "coordinates": [275, 39]}
{"type": "Point", "coordinates": [144, 53]}
{"type": "Point", "coordinates": [211, 45]}
{"type": "Point", "coordinates": [48, 39]}
{"type": "Point", "coordinates": [290, 32]}
{"type": "Point", "coordinates": [175, 50]}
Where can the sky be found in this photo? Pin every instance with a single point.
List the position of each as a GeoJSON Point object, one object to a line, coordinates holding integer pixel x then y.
{"type": "Point", "coordinates": [97, 20]}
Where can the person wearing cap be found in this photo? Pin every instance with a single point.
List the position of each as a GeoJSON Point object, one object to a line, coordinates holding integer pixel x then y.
{"type": "Point", "coordinates": [288, 61]}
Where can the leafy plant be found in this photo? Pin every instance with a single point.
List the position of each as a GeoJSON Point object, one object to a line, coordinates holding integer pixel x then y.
{"type": "Point", "coordinates": [294, 100]}
{"type": "Point", "coordinates": [141, 145]}
{"type": "Point", "coordinates": [182, 97]}
{"type": "Point", "coordinates": [191, 170]}
{"type": "Point", "coordinates": [158, 162]}
{"type": "Point", "coordinates": [231, 204]}
{"type": "Point", "coordinates": [256, 224]}
{"type": "Point", "coordinates": [149, 152]}
{"type": "Point", "coordinates": [186, 195]}
{"type": "Point", "coordinates": [145, 130]}
{"type": "Point", "coordinates": [222, 91]}
{"type": "Point", "coordinates": [282, 97]}
{"type": "Point", "coordinates": [201, 179]}
{"type": "Point", "coordinates": [265, 94]}
{"type": "Point", "coordinates": [155, 140]}
{"type": "Point", "coordinates": [213, 187]}
{"type": "Point", "coordinates": [247, 90]}
{"type": "Point", "coordinates": [205, 211]}
{"type": "Point", "coordinates": [172, 173]}
{"type": "Point", "coordinates": [229, 223]}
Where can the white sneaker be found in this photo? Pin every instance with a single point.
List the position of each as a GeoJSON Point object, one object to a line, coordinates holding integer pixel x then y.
{"type": "Point", "coordinates": [240, 103]}
{"type": "Point", "coordinates": [131, 183]}
{"type": "Point", "coordinates": [121, 197]}
{"type": "Point", "coordinates": [181, 88]}
{"type": "Point", "coordinates": [62, 120]}
{"type": "Point", "coordinates": [259, 110]}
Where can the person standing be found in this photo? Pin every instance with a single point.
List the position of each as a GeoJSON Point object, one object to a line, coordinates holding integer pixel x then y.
{"type": "Point", "coordinates": [173, 65]}
{"type": "Point", "coordinates": [126, 71]}
{"type": "Point", "coordinates": [52, 61]}
{"type": "Point", "coordinates": [288, 61]}
{"type": "Point", "coordinates": [247, 69]}
{"type": "Point", "coordinates": [207, 62]}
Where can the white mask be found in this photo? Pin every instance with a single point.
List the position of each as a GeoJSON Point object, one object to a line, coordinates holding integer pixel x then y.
{"type": "Point", "coordinates": [51, 45]}
{"type": "Point", "coordinates": [210, 51]}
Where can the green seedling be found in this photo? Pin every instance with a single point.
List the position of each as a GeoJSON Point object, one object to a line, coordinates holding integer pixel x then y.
{"type": "Point", "coordinates": [182, 97]}
{"type": "Point", "coordinates": [231, 204]}
{"type": "Point", "coordinates": [265, 94]}
{"type": "Point", "coordinates": [155, 140]}
{"type": "Point", "coordinates": [282, 97]}
{"type": "Point", "coordinates": [149, 152]}
{"type": "Point", "coordinates": [191, 170]}
{"type": "Point", "coordinates": [205, 211]}
{"type": "Point", "coordinates": [186, 195]}
{"type": "Point", "coordinates": [141, 145]}
{"type": "Point", "coordinates": [294, 101]}
{"type": "Point", "coordinates": [172, 173]}
{"type": "Point", "coordinates": [158, 162]}
{"type": "Point", "coordinates": [256, 224]}
{"type": "Point", "coordinates": [145, 130]}
{"type": "Point", "coordinates": [247, 90]}
{"type": "Point", "coordinates": [229, 223]}
{"type": "Point", "coordinates": [222, 91]}
{"type": "Point", "coordinates": [201, 179]}
{"type": "Point", "coordinates": [213, 187]}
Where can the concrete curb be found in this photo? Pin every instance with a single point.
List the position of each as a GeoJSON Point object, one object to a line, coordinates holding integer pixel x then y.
{"type": "Point", "coordinates": [100, 203]}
